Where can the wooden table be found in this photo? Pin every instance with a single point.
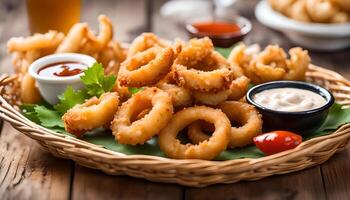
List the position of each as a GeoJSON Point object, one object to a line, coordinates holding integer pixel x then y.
{"type": "Point", "coordinates": [28, 172]}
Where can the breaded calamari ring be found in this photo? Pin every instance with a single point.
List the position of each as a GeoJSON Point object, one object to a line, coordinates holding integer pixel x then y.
{"type": "Point", "coordinates": [268, 65]}
{"type": "Point", "coordinates": [298, 11]}
{"type": "Point", "coordinates": [237, 90]}
{"type": "Point", "coordinates": [29, 92]}
{"type": "Point", "coordinates": [48, 40]}
{"type": "Point", "coordinates": [298, 64]}
{"type": "Point", "coordinates": [180, 96]}
{"type": "Point", "coordinates": [92, 43]}
{"type": "Point", "coordinates": [128, 129]}
{"type": "Point", "coordinates": [320, 10]}
{"type": "Point", "coordinates": [144, 42]}
{"type": "Point", "coordinates": [194, 51]}
{"type": "Point", "coordinates": [241, 55]}
{"type": "Point", "coordinates": [248, 119]}
{"type": "Point", "coordinates": [210, 74]}
{"type": "Point", "coordinates": [205, 81]}
{"type": "Point", "coordinates": [343, 4]}
{"type": "Point", "coordinates": [206, 150]}
{"type": "Point", "coordinates": [111, 57]}
{"type": "Point", "coordinates": [146, 68]}
{"type": "Point", "coordinates": [94, 113]}
{"type": "Point", "coordinates": [281, 6]}
{"type": "Point", "coordinates": [72, 42]}
{"type": "Point", "coordinates": [340, 17]}
{"type": "Point", "coordinates": [123, 92]}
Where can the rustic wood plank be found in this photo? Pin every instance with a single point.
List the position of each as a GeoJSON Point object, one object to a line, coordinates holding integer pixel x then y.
{"type": "Point", "coordinates": [306, 184]}
{"type": "Point", "coordinates": [28, 172]}
{"type": "Point", "coordinates": [93, 184]}
{"type": "Point", "coordinates": [336, 175]}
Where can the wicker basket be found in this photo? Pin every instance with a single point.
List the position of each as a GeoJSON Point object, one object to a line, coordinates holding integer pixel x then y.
{"type": "Point", "coordinates": [197, 173]}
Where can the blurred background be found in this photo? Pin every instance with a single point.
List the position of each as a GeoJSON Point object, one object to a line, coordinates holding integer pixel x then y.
{"type": "Point", "coordinates": [164, 18]}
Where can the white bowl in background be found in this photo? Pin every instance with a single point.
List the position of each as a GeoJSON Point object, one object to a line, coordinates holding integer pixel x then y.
{"type": "Point", "coordinates": [51, 87]}
{"type": "Point", "coordinates": [317, 36]}
{"type": "Point", "coordinates": [181, 10]}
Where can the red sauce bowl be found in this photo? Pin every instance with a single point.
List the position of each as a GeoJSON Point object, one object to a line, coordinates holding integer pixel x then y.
{"type": "Point", "coordinates": [223, 32]}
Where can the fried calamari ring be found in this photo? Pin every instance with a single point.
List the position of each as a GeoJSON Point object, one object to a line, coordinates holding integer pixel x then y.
{"type": "Point", "coordinates": [74, 38]}
{"type": "Point", "coordinates": [194, 51]}
{"type": "Point", "coordinates": [22, 60]}
{"type": "Point", "coordinates": [298, 11]}
{"type": "Point", "coordinates": [340, 17]}
{"type": "Point", "coordinates": [281, 6]}
{"type": "Point", "coordinates": [111, 57]}
{"type": "Point", "coordinates": [241, 55]}
{"type": "Point", "coordinates": [238, 112]}
{"type": "Point", "coordinates": [29, 92]}
{"type": "Point", "coordinates": [206, 150]}
{"type": "Point", "coordinates": [297, 65]}
{"type": "Point", "coordinates": [211, 74]}
{"type": "Point", "coordinates": [320, 10]}
{"type": "Point", "coordinates": [206, 81]}
{"type": "Point", "coordinates": [128, 129]}
{"type": "Point", "coordinates": [237, 90]}
{"type": "Point", "coordinates": [269, 65]}
{"type": "Point", "coordinates": [81, 39]}
{"type": "Point", "coordinates": [123, 92]}
{"type": "Point", "coordinates": [144, 42]}
{"type": "Point", "coordinates": [49, 40]}
{"type": "Point", "coordinates": [259, 67]}
{"type": "Point", "coordinates": [94, 113]}
{"type": "Point", "coordinates": [343, 4]}
{"type": "Point", "coordinates": [180, 96]}
{"type": "Point", "coordinates": [146, 68]}
{"type": "Point", "coordinates": [249, 118]}
{"type": "Point", "coordinates": [92, 43]}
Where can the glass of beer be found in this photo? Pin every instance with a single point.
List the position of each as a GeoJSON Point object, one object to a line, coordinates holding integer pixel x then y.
{"type": "Point", "coordinates": [45, 15]}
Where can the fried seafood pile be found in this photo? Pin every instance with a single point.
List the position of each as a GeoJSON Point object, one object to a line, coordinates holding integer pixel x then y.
{"type": "Point", "coordinates": [185, 88]}
{"type": "Point", "coordinates": [314, 11]}
{"type": "Point", "coordinates": [80, 39]}
{"type": "Point", "coordinates": [190, 89]}
{"type": "Point", "coordinates": [271, 64]}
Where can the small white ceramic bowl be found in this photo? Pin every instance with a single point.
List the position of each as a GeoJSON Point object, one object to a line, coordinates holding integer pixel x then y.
{"type": "Point", "coordinates": [324, 37]}
{"type": "Point", "coordinates": [51, 87]}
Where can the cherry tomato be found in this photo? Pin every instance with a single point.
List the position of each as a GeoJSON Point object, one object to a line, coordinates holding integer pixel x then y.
{"type": "Point", "coordinates": [277, 141]}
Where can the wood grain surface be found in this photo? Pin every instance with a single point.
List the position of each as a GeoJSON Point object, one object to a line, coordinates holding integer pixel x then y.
{"type": "Point", "coordinates": [27, 172]}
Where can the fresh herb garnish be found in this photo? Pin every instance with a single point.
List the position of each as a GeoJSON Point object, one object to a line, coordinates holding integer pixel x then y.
{"type": "Point", "coordinates": [135, 90]}
{"type": "Point", "coordinates": [69, 99]}
{"type": "Point", "coordinates": [95, 82]}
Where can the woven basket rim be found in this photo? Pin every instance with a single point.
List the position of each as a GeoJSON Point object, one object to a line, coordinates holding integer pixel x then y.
{"type": "Point", "coordinates": [137, 156]}
{"type": "Point", "coordinates": [99, 154]}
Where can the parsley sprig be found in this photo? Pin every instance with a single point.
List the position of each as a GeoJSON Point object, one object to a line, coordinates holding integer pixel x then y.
{"type": "Point", "coordinates": [95, 84]}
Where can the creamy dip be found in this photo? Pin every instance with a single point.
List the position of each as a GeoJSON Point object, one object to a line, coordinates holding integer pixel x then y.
{"type": "Point", "coordinates": [289, 99]}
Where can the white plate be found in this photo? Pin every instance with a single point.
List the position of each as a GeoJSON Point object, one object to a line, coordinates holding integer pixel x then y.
{"type": "Point", "coordinates": [326, 37]}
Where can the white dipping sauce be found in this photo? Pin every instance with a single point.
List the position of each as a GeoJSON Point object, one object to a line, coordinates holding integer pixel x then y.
{"type": "Point", "coordinates": [289, 99]}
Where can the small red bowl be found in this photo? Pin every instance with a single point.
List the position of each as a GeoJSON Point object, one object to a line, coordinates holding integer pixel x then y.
{"type": "Point", "coordinates": [223, 39]}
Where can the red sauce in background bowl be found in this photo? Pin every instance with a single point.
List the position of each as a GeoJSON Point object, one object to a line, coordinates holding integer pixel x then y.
{"type": "Point", "coordinates": [216, 28]}
{"type": "Point", "coordinates": [223, 33]}
{"type": "Point", "coordinates": [62, 69]}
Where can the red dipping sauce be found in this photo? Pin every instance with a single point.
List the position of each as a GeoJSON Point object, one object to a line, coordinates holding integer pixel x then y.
{"type": "Point", "coordinates": [223, 33]}
{"type": "Point", "coordinates": [216, 28]}
{"type": "Point", "coordinates": [62, 69]}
